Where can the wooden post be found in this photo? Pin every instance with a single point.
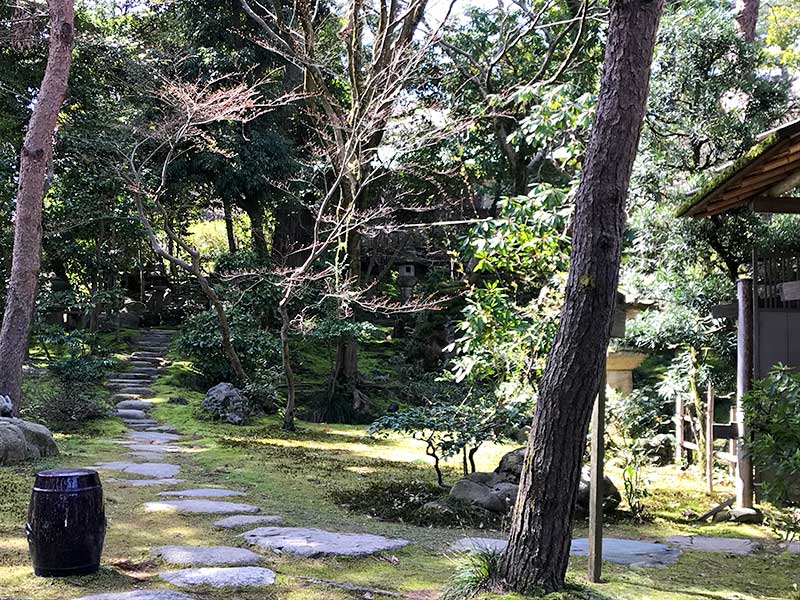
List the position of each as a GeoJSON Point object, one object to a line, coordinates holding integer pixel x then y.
{"type": "Point", "coordinates": [732, 445]}
{"type": "Point", "coordinates": [710, 440]}
{"type": "Point", "coordinates": [679, 438]}
{"type": "Point", "coordinates": [596, 490]}
{"type": "Point", "coordinates": [744, 376]}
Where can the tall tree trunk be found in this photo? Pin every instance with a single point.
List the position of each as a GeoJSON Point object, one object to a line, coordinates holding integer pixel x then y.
{"type": "Point", "coordinates": [226, 208]}
{"type": "Point", "coordinates": [539, 542]}
{"type": "Point", "coordinates": [36, 156]}
{"type": "Point", "coordinates": [746, 18]}
{"type": "Point", "coordinates": [255, 211]}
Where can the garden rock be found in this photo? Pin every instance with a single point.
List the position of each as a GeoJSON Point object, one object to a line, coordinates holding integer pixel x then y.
{"type": "Point", "coordinates": [746, 515]}
{"type": "Point", "coordinates": [200, 506]}
{"type": "Point", "coordinates": [21, 440]}
{"type": "Point", "coordinates": [221, 577]}
{"type": "Point", "coordinates": [153, 436]}
{"type": "Point", "coordinates": [6, 407]}
{"type": "Point", "coordinates": [127, 413]}
{"type": "Point", "coordinates": [227, 403]}
{"type": "Point", "coordinates": [246, 520]}
{"type": "Point", "coordinates": [316, 542]}
{"type": "Point", "coordinates": [140, 595]}
{"type": "Point", "coordinates": [204, 493]}
{"type": "Point", "coordinates": [497, 491]}
{"type": "Point", "coordinates": [206, 555]}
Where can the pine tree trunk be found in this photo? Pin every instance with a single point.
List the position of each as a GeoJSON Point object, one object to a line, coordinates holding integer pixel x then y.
{"type": "Point", "coordinates": [36, 156]}
{"type": "Point", "coordinates": [746, 18]}
{"type": "Point", "coordinates": [539, 542]}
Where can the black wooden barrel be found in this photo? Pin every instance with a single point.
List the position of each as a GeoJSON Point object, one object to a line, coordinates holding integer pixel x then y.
{"type": "Point", "coordinates": [66, 522]}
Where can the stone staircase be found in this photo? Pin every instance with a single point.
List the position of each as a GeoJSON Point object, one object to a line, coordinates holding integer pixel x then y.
{"type": "Point", "coordinates": [131, 389]}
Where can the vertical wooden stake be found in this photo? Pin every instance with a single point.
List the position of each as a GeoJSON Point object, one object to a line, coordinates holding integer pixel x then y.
{"type": "Point", "coordinates": [732, 444]}
{"type": "Point", "coordinates": [744, 376]}
{"type": "Point", "coordinates": [679, 438]}
{"type": "Point", "coordinates": [710, 440]}
{"type": "Point", "coordinates": [596, 491]}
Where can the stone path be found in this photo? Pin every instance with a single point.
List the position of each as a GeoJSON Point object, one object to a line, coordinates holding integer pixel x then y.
{"type": "Point", "coordinates": [145, 450]}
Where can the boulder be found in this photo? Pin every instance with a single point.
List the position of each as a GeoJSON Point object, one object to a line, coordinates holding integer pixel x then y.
{"type": "Point", "coordinates": [497, 491]}
{"type": "Point", "coordinates": [227, 403]}
{"type": "Point", "coordinates": [21, 440]}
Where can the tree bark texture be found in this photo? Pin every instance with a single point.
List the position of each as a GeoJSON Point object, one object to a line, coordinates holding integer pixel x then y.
{"type": "Point", "coordinates": [539, 542]}
{"type": "Point", "coordinates": [746, 18]}
{"type": "Point", "coordinates": [288, 415]}
{"type": "Point", "coordinates": [35, 159]}
{"type": "Point", "coordinates": [229, 232]}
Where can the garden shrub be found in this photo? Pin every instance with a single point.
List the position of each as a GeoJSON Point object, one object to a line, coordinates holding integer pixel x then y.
{"type": "Point", "coordinates": [200, 339]}
{"type": "Point", "coordinates": [85, 369]}
{"type": "Point", "coordinates": [63, 405]}
{"type": "Point", "coordinates": [772, 410]}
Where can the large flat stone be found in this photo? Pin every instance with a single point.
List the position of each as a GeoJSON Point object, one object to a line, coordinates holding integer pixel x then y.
{"type": "Point", "coordinates": [149, 456]}
{"type": "Point", "coordinates": [206, 556]}
{"type": "Point", "coordinates": [316, 542]}
{"type": "Point", "coordinates": [127, 376]}
{"type": "Point", "coordinates": [246, 520]}
{"type": "Point", "coordinates": [221, 577]}
{"type": "Point", "coordinates": [158, 470]}
{"type": "Point", "coordinates": [203, 493]}
{"type": "Point", "coordinates": [157, 447]}
{"type": "Point", "coordinates": [620, 551]}
{"type": "Point", "coordinates": [714, 544]}
{"type": "Point", "coordinates": [200, 506]}
{"type": "Point", "coordinates": [140, 595]}
{"type": "Point", "coordinates": [163, 428]}
{"type": "Point", "coordinates": [145, 482]}
{"type": "Point", "coordinates": [140, 422]}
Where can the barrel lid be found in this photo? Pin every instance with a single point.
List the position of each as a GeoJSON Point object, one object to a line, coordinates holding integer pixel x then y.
{"type": "Point", "coordinates": [66, 472]}
{"type": "Point", "coordinates": [66, 480]}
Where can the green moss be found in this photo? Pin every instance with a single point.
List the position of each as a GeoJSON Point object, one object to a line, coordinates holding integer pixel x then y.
{"type": "Point", "coordinates": [715, 181]}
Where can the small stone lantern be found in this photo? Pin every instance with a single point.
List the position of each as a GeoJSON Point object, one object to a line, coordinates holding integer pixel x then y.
{"type": "Point", "coordinates": [406, 279]}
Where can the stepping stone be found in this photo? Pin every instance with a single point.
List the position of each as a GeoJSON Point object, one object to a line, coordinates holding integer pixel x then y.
{"type": "Point", "coordinates": [164, 428]}
{"type": "Point", "coordinates": [206, 555]}
{"type": "Point", "coordinates": [146, 482]}
{"type": "Point", "coordinates": [200, 506]}
{"type": "Point", "coordinates": [117, 383]}
{"type": "Point", "coordinates": [620, 551]}
{"type": "Point", "coordinates": [246, 520]}
{"type": "Point", "coordinates": [221, 577]}
{"type": "Point", "coordinates": [315, 542]}
{"type": "Point", "coordinates": [144, 364]}
{"type": "Point", "coordinates": [204, 493]}
{"type": "Point", "coordinates": [140, 595]}
{"type": "Point", "coordinates": [153, 436]}
{"type": "Point", "coordinates": [150, 371]}
{"type": "Point", "coordinates": [148, 354]}
{"type": "Point", "coordinates": [146, 455]}
{"type": "Point", "coordinates": [160, 470]}
{"type": "Point", "coordinates": [144, 392]}
{"type": "Point", "coordinates": [714, 544]}
{"type": "Point", "coordinates": [153, 447]}
{"type": "Point", "coordinates": [127, 413]}
{"type": "Point", "coordinates": [140, 422]}
{"type": "Point", "coordinates": [134, 404]}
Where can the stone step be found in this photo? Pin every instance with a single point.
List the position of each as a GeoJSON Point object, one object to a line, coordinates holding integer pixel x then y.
{"type": "Point", "coordinates": [200, 506]}
{"type": "Point", "coordinates": [138, 390]}
{"type": "Point", "coordinates": [221, 577]}
{"type": "Point", "coordinates": [131, 414]}
{"type": "Point", "coordinates": [125, 375]}
{"type": "Point", "coordinates": [144, 362]}
{"type": "Point", "coordinates": [140, 424]}
{"type": "Point", "coordinates": [147, 354]}
{"type": "Point", "coordinates": [205, 555]}
{"type": "Point", "coordinates": [152, 371]}
{"type": "Point", "coordinates": [134, 405]}
{"type": "Point", "coordinates": [117, 398]}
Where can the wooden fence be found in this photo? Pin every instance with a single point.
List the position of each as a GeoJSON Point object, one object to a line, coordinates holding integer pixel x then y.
{"type": "Point", "coordinates": [685, 439]}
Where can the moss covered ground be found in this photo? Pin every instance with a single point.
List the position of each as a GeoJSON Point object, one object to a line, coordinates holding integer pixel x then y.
{"type": "Point", "coordinates": [296, 476]}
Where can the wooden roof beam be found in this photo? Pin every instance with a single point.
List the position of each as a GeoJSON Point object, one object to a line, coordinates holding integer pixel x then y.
{"type": "Point", "coordinates": [787, 185]}
{"type": "Point", "coordinates": [783, 205]}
